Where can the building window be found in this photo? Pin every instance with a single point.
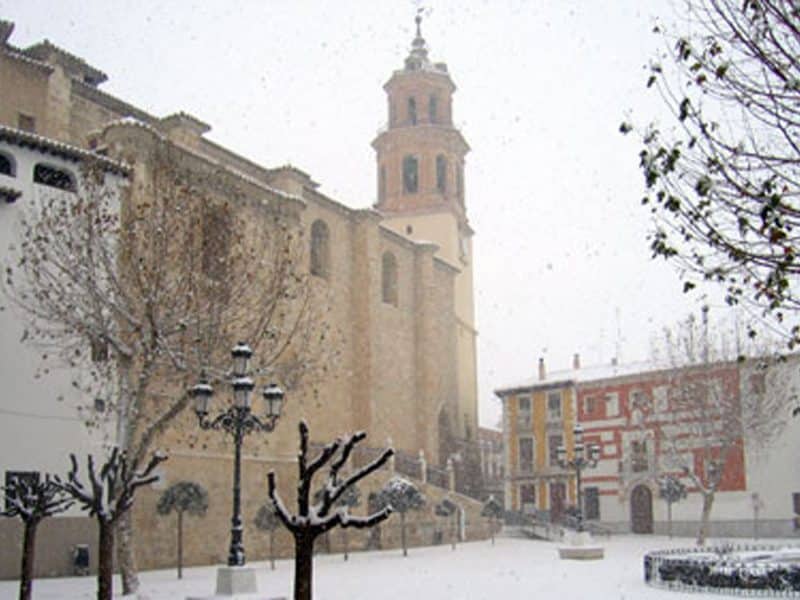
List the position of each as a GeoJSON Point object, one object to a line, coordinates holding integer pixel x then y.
{"type": "Point", "coordinates": [99, 405]}
{"type": "Point", "coordinates": [460, 183]}
{"type": "Point", "coordinates": [389, 278]}
{"type": "Point", "coordinates": [433, 109]}
{"type": "Point", "coordinates": [525, 411]}
{"type": "Point", "coordinates": [382, 183]}
{"type": "Point", "coordinates": [612, 405]}
{"type": "Point", "coordinates": [553, 442]}
{"type": "Point", "coordinates": [320, 249]}
{"type": "Point", "coordinates": [7, 165]}
{"type": "Point", "coordinates": [26, 122]}
{"type": "Point", "coordinates": [410, 175]}
{"type": "Point", "coordinates": [527, 497]}
{"type": "Point", "coordinates": [412, 111]}
{"type": "Point", "coordinates": [589, 405]}
{"type": "Point", "coordinates": [441, 173]}
{"type": "Point", "coordinates": [216, 244]}
{"type": "Point", "coordinates": [409, 229]}
{"type": "Point", "coordinates": [53, 177]}
{"type": "Point", "coordinates": [639, 461]}
{"type": "Point", "coordinates": [526, 455]}
{"type": "Point", "coordinates": [591, 502]}
{"type": "Point", "coordinates": [554, 406]}
{"type": "Point", "coordinates": [24, 477]}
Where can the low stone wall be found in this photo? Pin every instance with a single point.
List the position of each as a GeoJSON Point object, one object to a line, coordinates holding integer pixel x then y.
{"type": "Point", "coordinates": [55, 539]}
{"type": "Point", "coordinates": [767, 528]}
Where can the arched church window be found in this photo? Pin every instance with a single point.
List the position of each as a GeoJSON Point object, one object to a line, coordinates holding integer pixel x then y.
{"type": "Point", "coordinates": [433, 109]}
{"type": "Point", "coordinates": [412, 111]}
{"type": "Point", "coordinates": [389, 278]}
{"type": "Point", "coordinates": [410, 175]}
{"type": "Point", "coordinates": [441, 173]}
{"type": "Point", "coordinates": [320, 249]}
{"type": "Point", "coordinates": [54, 177]}
{"type": "Point", "coordinates": [6, 165]}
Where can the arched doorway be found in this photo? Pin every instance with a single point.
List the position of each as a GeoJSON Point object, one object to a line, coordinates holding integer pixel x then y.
{"type": "Point", "coordinates": [641, 509]}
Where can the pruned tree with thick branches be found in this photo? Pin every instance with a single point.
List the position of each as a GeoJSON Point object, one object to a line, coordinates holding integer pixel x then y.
{"type": "Point", "coordinates": [141, 284]}
{"type": "Point", "coordinates": [31, 499]}
{"type": "Point", "coordinates": [723, 181]}
{"type": "Point", "coordinates": [315, 518]}
{"type": "Point", "coordinates": [351, 498]}
{"type": "Point", "coordinates": [183, 497]}
{"type": "Point", "coordinates": [106, 494]}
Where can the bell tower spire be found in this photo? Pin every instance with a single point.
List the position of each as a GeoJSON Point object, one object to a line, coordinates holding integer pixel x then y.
{"type": "Point", "coordinates": [420, 154]}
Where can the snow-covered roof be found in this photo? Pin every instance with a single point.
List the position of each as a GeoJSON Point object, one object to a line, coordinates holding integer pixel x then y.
{"type": "Point", "coordinates": [582, 375]}
{"type": "Point", "coordinates": [26, 139]}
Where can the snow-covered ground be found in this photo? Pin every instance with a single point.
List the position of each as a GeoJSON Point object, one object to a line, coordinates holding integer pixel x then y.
{"type": "Point", "coordinates": [513, 569]}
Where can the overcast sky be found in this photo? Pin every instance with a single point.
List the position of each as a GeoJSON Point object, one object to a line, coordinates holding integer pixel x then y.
{"type": "Point", "coordinates": [552, 189]}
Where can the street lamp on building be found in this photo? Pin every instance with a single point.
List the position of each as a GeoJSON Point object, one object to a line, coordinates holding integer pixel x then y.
{"type": "Point", "coordinates": [238, 420]}
{"type": "Point", "coordinates": [583, 457]}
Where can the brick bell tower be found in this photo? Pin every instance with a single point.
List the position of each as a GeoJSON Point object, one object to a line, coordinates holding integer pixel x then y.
{"type": "Point", "coordinates": [420, 156]}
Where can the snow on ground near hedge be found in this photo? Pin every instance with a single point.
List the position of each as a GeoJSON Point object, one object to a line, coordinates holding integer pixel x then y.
{"type": "Point", "coordinates": [513, 569]}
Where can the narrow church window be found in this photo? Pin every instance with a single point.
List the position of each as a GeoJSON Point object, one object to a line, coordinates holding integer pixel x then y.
{"type": "Point", "coordinates": [320, 249]}
{"type": "Point", "coordinates": [433, 109]}
{"type": "Point", "coordinates": [410, 175]}
{"type": "Point", "coordinates": [216, 229]}
{"type": "Point", "coordinates": [460, 183]}
{"type": "Point", "coordinates": [441, 173]}
{"type": "Point", "coordinates": [412, 111]}
{"type": "Point", "coordinates": [382, 184]}
{"type": "Point", "coordinates": [389, 278]}
{"type": "Point", "coordinates": [6, 165]}
{"type": "Point", "coordinates": [53, 177]}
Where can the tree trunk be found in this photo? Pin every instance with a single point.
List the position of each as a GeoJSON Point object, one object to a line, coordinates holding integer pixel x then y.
{"type": "Point", "coordinates": [105, 560]}
{"type": "Point", "coordinates": [180, 544]}
{"type": "Point", "coordinates": [303, 565]}
{"type": "Point", "coordinates": [403, 533]}
{"type": "Point", "coordinates": [126, 554]}
{"type": "Point", "coordinates": [669, 519]}
{"type": "Point", "coordinates": [272, 548]}
{"type": "Point", "coordinates": [702, 533]}
{"type": "Point", "coordinates": [344, 539]}
{"type": "Point", "coordinates": [453, 532]}
{"type": "Point", "coordinates": [26, 573]}
{"type": "Point", "coordinates": [491, 529]}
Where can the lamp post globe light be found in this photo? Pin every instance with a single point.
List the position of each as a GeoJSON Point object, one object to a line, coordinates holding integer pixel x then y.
{"type": "Point", "coordinates": [583, 457]}
{"type": "Point", "coordinates": [238, 420]}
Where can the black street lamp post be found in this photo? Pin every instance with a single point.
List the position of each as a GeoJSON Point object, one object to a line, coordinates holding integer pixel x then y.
{"type": "Point", "coordinates": [239, 421]}
{"type": "Point", "coordinates": [583, 457]}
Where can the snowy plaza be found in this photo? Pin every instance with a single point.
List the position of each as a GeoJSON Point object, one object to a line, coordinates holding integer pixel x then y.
{"type": "Point", "coordinates": [513, 569]}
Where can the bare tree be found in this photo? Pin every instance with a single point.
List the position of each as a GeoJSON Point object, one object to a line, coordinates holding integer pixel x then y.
{"type": "Point", "coordinates": [493, 510]}
{"type": "Point", "coordinates": [107, 494]}
{"type": "Point", "coordinates": [401, 496]}
{"type": "Point", "coordinates": [140, 285]}
{"type": "Point", "coordinates": [671, 490]}
{"type": "Point", "coordinates": [724, 181]}
{"type": "Point", "coordinates": [314, 520]}
{"type": "Point", "coordinates": [351, 498]}
{"type": "Point", "coordinates": [448, 510]}
{"type": "Point", "coordinates": [183, 497]}
{"type": "Point", "coordinates": [32, 500]}
{"type": "Point", "coordinates": [706, 414]}
{"type": "Point", "coordinates": [267, 520]}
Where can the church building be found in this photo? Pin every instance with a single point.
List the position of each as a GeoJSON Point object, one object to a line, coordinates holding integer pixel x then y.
{"type": "Point", "coordinates": [396, 280]}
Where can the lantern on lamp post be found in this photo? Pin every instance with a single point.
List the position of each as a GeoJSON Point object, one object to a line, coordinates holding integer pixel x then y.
{"type": "Point", "coordinates": [238, 420]}
{"type": "Point", "coordinates": [583, 457]}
